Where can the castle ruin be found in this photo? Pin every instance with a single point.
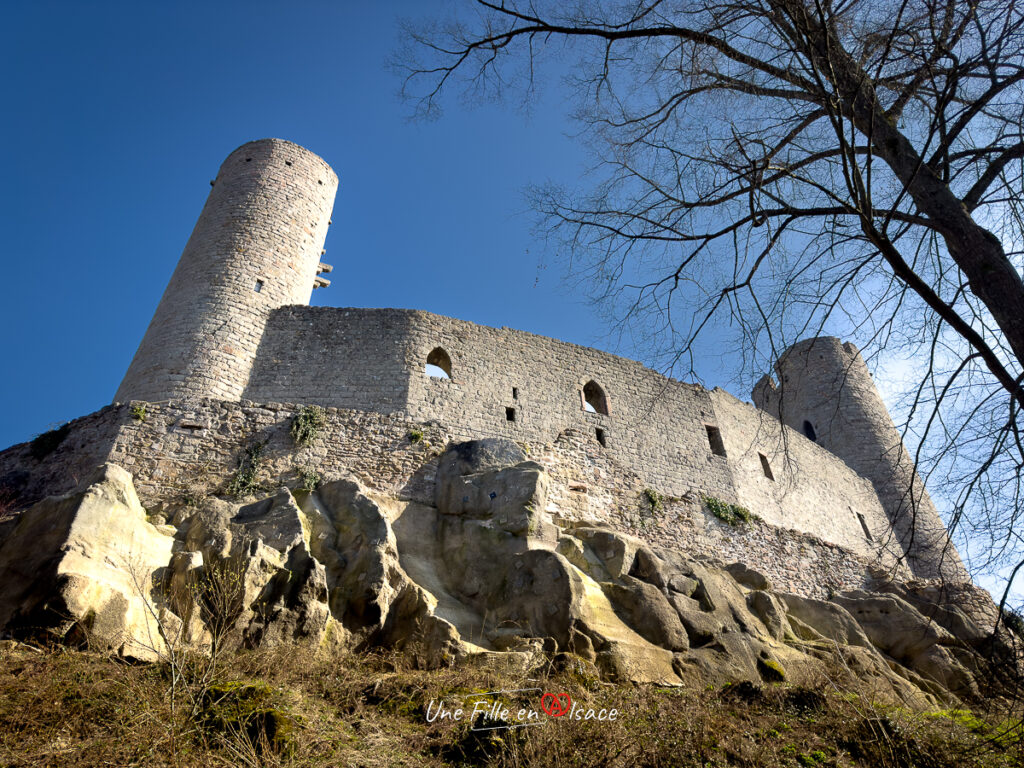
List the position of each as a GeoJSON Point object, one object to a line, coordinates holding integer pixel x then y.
{"type": "Point", "coordinates": [234, 349]}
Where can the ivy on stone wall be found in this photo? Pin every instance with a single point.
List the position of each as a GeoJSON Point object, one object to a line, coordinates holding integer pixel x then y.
{"type": "Point", "coordinates": [307, 424]}
{"type": "Point", "coordinates": [733, 514]}
{"type": "Point", "coordinates": [245, 482]}
{"type": "Point", "coordinates": [654, 500]}
{"type": "Point", "coordinates": [309, 478]}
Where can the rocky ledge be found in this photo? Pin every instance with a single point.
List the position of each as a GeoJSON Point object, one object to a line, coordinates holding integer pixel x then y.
{"type": "Point", "coordinates": [483, 574]}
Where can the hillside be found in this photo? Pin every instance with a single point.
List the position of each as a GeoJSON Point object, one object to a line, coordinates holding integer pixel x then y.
{"type": "Point", "coordinates": [67, 707]}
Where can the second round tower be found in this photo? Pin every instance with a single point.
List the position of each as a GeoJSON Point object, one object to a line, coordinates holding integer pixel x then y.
{"type": "Point", "coordinates": [826, 392]}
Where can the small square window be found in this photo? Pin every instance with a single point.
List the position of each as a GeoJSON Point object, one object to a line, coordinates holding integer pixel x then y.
{"type": "Point", "coordinates": [515, 393]}
{"type": "Point", "coordinates": [259, 286]}
{"type": "Point", "coordinates": [510, 414]}
{"type": "Point", "coordinates": [602, 438]}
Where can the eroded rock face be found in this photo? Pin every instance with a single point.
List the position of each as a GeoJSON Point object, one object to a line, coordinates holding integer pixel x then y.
{"type": "Point", "coordinates": [484, 571]}
{"type": "Point", "coordinates": [371, 595]}
{"type": "Point", "coordinates": [645, 614]}
{"type": "Point", "coordinates": [84, 563]}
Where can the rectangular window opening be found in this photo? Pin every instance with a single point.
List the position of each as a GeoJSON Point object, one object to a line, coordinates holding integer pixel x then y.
{"type": "Point", "coordinates": [864, 525]}
{"type": "Point", "coordinates": [259, 286]}
{"type": "Point", "coordinates": [715, 440]}
{"type": "Point", "coordinates": [510, 414]}
{"type": "Point", "coordinates": [601, 437]}
{"type": "Point", "coordinates": [766, 467]}
{"type": "Point", "coordinates": [515, 393]}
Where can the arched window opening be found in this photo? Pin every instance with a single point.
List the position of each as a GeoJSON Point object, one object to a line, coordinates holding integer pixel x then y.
{"type": "Point", "coordinates": [439, 365]}
{"type": "Point", "coordinates": [594, 398]}
{"type": "Point", "coordinates": [809, 431]}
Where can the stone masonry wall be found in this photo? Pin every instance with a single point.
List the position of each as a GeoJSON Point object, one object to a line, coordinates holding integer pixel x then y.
{"type": "Point", "coordinates": [590, 489]}
{"type": "Point", "coordinates": [339, 358]}
{"type": "Point", "coordinates": [655, 425]}
{"type": "Point", "coordinates": [809, 489]}
{"type": "Point", "coordinates": [188, 450]}
{"type": "Point", "coordinates": [183, 451]}
{"type": "Point", "coordinates": [26, 478]}
{"type": "Point", "coordinates": [374, 359]}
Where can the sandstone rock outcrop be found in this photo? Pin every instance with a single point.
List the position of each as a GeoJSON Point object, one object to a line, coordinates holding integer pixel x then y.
{"type": "Point", "coordinates": [483, 572]}
{"type": "Point", "coordinates": [82, 566]}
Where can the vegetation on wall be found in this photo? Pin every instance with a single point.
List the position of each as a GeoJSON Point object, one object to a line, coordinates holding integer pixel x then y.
{"type": "Point", "coordinates": [45, 444]}
{"type": "Point", "coordinates": [733, 514]}
{"type": "Point", "coordinates": [309, 478]}
{"type": "Point", "coordinates": [245, 482]}
{"type": "Point", "coordinates": [307, 424]}
{"type": "Point", "coordinates": [655, 501]}
{"type": "Point", "coordinates": [139, 412]}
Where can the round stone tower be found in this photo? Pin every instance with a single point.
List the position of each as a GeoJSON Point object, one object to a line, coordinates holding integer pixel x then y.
{"type": "Point", "coordinates": [826, 393]}
{"type": "Point", "coordinates": [256, 247]}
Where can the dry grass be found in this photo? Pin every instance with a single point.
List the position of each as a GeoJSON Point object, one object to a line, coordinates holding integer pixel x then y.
{"type": "Point", "coordinates": [62, 707]}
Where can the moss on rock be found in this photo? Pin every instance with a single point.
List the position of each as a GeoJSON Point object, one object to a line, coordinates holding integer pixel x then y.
{"type": "Point", "coordinates": [771, 671]}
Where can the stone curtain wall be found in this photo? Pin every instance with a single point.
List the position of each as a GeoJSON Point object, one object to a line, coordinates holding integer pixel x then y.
{"type": "Point", "coordinates": [340, 358]}
{"type": "Point", "coordinates": [655, 425]}
{"type": "Point", "coordinates": [263, 226]}
{"type": "Point", "coordinates": [374, 359]}
{"type": "Point", "coordinates": [812, 490]}
{"type": "Point", "coordinates": [589, 489]}
{"type": "Point", "coordinates": [189, 450]}
{"type": "Point", "coordinates": [370, 364]}
{"type": "Point", "coordinates": [183, 451]}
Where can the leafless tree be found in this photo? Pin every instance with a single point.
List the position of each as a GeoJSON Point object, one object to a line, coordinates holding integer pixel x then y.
{"type": "Point", "coordinates": [793, 167]}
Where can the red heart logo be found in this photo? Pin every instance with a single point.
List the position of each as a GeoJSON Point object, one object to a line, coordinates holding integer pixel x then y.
{"type": "Point", "coordinates": [556, 704]}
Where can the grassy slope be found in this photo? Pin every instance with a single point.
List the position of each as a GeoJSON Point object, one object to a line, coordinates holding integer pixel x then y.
{"type": "Point", "coordinates": [64, 707]}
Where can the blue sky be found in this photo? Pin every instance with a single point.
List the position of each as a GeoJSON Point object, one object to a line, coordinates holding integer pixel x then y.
{"type": "Point", "coordinates": [118, 115]}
